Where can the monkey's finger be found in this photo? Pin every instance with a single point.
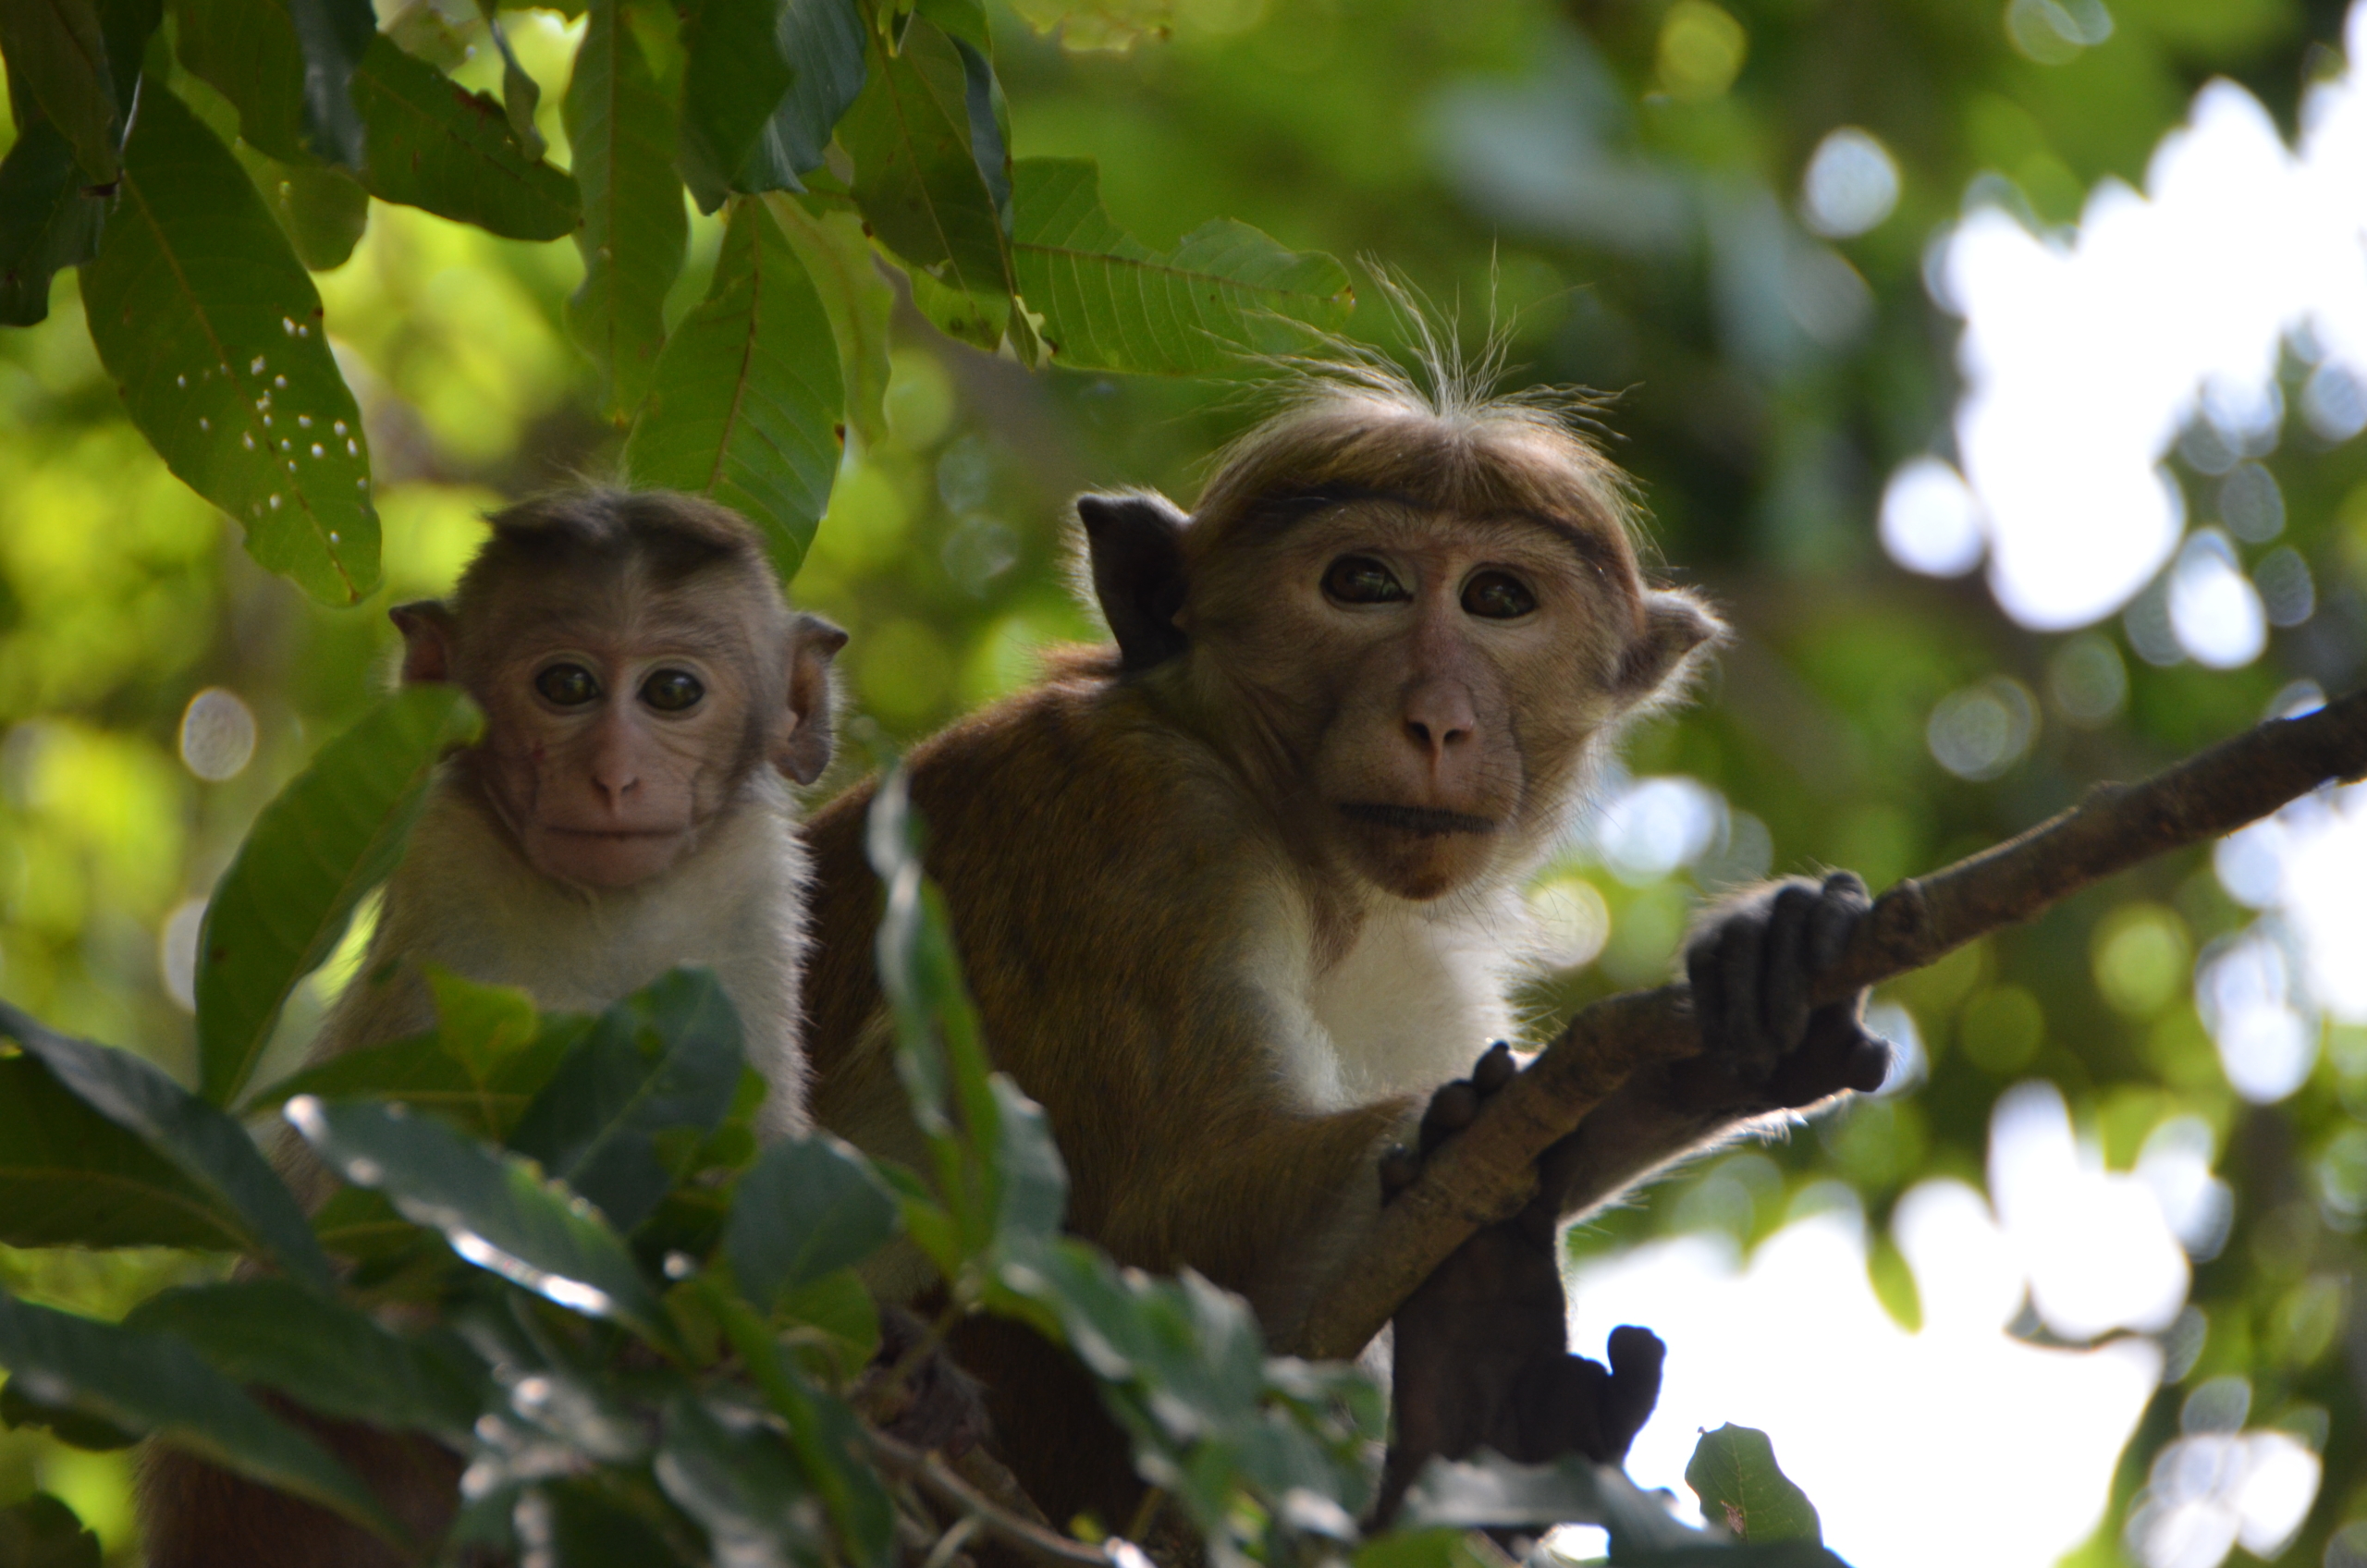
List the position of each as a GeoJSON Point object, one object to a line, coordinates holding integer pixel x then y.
{"type": "Point", "coordinates": [1496, 1068]}
{"type": "Point", "coordinates": [1843, 903]}
{"type": "Point", "coordinates": [1838, 1054]}
{"type": "Point", "coordinates": [1399, 1167]}
{"type": "Point", "coordinates": [1783, 1019]}
{"type": "Point", "coordinates": [1450, 1112]}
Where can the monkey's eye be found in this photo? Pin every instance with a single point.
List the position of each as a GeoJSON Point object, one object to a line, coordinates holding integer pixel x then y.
{"type": "Point", "coordinates": [569, 685]}
{"type": "Point", "coordinates": [1360, 580]}
{"type": "Point", "coordinates": [672, 690]}
{"type": "Point", "coordinates": [1497, 596]}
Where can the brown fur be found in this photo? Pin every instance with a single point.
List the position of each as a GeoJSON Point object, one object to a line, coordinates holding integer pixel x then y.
{"type": "Point", "coordinates": [1152, 878]}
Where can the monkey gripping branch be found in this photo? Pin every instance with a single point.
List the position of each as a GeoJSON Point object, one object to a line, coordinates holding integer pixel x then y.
{"type": "Point", "coordinates": [1491, 1170]}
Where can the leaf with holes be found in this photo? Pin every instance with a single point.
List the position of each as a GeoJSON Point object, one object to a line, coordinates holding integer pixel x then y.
{"type": "Point", "coordinates": [621, 128]}
{"type": "Point", "coordinates": [211, 328]}
{"type": "Point", "coordinates": [746, 401]}
{"type": "Point", "coordinates": [1111, 302]}
{"type": "Point", "coordinates": [1734, 1474]}
{"type": "Point", "coordinates": [334, 833]}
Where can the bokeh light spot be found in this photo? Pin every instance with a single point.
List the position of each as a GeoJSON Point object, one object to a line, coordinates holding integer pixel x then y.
{"type": "Point", "coordinates": [1851, 184]}
{"type": "Point", "coordinates": [217, 735]}
{"type": "Point", "coordinates": [1931, 522]}
{"type": "Point", "coordinates": [1983, 730]}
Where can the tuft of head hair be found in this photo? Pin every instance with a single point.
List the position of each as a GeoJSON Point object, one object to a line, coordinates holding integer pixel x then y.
{"type": "Point", "coordinates": [1356, 424]}
{"type": "Point", "coordinates": [667, 534]}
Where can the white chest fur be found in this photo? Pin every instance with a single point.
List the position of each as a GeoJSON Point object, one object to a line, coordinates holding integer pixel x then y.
{"type": "Point", "coordinates": [1411, 1004]}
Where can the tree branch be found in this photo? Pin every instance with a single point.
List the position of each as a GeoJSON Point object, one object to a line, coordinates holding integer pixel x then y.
{"type": "Point", "coordinates": [1488, 1172]}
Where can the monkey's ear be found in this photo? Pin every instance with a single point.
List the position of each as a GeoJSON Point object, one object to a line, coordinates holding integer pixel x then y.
{"type": "Point", "coordinates": [1675, 625]}
{"type": "Point", "coordinates": [426, 626]}
{"type": "Point", "coordinates": [804, 749]}
{"type": "Point", "coordinates": [1137, 543]}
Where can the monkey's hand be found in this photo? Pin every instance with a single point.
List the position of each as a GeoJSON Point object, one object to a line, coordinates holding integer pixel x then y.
{"type": "Point", "coordinates": [1480, 1357]}
{"type": "Point", "coordinates": [1750, 964]}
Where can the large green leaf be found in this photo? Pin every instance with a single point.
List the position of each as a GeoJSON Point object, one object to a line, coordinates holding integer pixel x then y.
{"type": "Point", "coordinates": [70, 1177]}
{"type": "Point", "coordinates": [42, 1532]}
{"type": "Point", "coordinates": [322, 210]}
{"type": "Point", "coordinates": [335, 831]}
{"type": "Point", "coordinates": [622, 130]}
{"type": "Point", "coordinates": [666, 1057]}
{"type": "Point", "coordinates": [1111, 302]}
{"type": "Point", "coordinates": [825, 39]}
{"type": "Point", "coordinates": [740, 1484]}
{"type": "Point", "coordinates": [475, 1071]}
{"type": "Point", "coordinates": [846, 275]}
{"type": "Point", "coordinates": [919, 185]}
{"type": "Point", "coordinates": [734, 75]}
{"type": "Point", "coordinates": [58, 52]}
{"type": "Point", "coordinates": [808, 1207]}
{"type": "Point", "coordinates": [1734, 1474]}
{"type": "Point", "coordinates": [249, 52]}
{"type": "Point", "coordinates": [203, 1142]}
{"type": "Point", "coordinates": [48, 220]}
{"type": "Point", "coordinates": [334, 35]}
{"type": "Point", "coordinates": [496, 1209]}
{"type": "Point", "coordinates": [746, 401]}
{"type": "Point", "coordinates": [212, 330]}
{"type": "Point", "coordinates": [323, 1355]}
{"type": "Point", "coordinates": [453, 153]}
{"type": "Point", "coordinates": [147, 1382]}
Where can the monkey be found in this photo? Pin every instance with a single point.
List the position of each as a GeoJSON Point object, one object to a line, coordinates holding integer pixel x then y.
{"type": "Point", "coordinates": [649, 698]}
{"type": "Point", "coordinates": [1236, 891]}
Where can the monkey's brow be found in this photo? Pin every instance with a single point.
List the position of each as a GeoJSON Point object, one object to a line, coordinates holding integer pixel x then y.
{"type": "Point", "coordinates": [1272, 516]}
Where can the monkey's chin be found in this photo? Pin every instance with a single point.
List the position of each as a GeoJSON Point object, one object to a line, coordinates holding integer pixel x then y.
{"type": "Point", "coordinates": [606, 860]}
{"type": "Point", "coordinates": [1419, 859]}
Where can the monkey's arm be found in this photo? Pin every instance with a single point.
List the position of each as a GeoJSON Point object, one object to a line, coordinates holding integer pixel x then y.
{"type": "Point", "coordinates": [1765, 1051]}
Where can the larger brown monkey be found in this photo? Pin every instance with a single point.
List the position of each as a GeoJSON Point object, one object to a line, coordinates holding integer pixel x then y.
{"type": "Point", "coordinates": [1237, 893]}
{"type": "Point", "coordinates": [647, 695]}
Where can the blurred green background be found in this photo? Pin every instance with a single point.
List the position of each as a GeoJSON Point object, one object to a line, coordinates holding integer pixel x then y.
{"type": "Point", "coordinates": [1615, 186]}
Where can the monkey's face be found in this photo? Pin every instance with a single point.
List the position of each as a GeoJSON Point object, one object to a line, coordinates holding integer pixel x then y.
{"type": "Point", "coordinates": [1432, 679]}
{"type": "Point", "coordinates": [612, 739]}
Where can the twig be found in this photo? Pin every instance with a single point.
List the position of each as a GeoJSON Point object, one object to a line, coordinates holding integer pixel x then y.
{"type": "Point", "coordinates": [930, 1474]}
{"type": "Point", "coordinates": [1488, 1172]}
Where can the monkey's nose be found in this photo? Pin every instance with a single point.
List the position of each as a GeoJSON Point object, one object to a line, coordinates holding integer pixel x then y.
{"type": "Point", "coordinates": [1439, 718]}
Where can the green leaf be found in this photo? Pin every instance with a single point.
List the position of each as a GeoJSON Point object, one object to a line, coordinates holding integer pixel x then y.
{"type": "Point", "coordinates": [249, 52]}
{"type": "Point", "coordinates": [621, 127]}
{"type": "Point", "coordinates": [669, 1056]}
{"type": "Point", "coordinates": [57, 50]}
{"type": "Point", "coordinates": [918, 183]}
{"type": "Point", "coordinates": [438, 147]}
{"type": "Point", "coordinates": [809, 1207]}
{"type": "Point", "coordinates": [839, 1311]}
{"type": "Point", "coordinates": [42, 1532]}
{"type": "Point", "coordinates": [334, 833]}
{"type": "Point", "coordinates": [740, 1483]}
{"type": "Point", "coordinates": [325, 1355]}
{"type": "Point", "coordinates": [334, 35]}
{"type": "Point", "coordinates": [73, 1427]}
{"type": "Point", "coordinates": [1102, 26]}
{"type": "Point", "coordinates": [734, 74]}
{"type": "Point", "coordinates": [47, 221]}
{"type": "Point", "coordinates": [1894, 1283]}
{"type": "Point", "coordinates": [153, 1384]}
{"type": "Point", "coordinates": [70, 1177]}
{"type": "Point", "coordinates": [1110, 302]}
{"type": "Point", "coordinates": [844, 270]}
{"type": "Point", "coordinates": [521, 94]}
{"type": "Point", "coordinates": [746, 399]}
{"type": "Point", "coordinates": [1734, 1474]}
{"type": "Point", "coordinates": [1436, 1547]}
{"type": "Point", "coordinates": [205, 1143]}
{"type": "Point", "coordinates": [212, 330]}
{"type": "Point", "coordinates": [825, 39]}
{"type": "Point", "coordinates": [496, 1209]}
{"type": "Point", "coordinates": [322, 210]}
{"type": "Point", "coordinates": [1035, 1181]}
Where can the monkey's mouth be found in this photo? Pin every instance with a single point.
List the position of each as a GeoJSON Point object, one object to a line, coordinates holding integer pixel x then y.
{"type": "Point", "coordinates": [1428, 821]}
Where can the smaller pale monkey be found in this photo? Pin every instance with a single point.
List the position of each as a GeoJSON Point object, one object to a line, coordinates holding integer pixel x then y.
{"type": "Point", "coordinates": [647, 695]}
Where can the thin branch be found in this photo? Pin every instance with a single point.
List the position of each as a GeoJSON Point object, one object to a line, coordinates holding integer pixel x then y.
{"type": "Point", "coordinates": [1488, 1172]}
{"type": "Point", "coordinates": [1032, 1541]}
